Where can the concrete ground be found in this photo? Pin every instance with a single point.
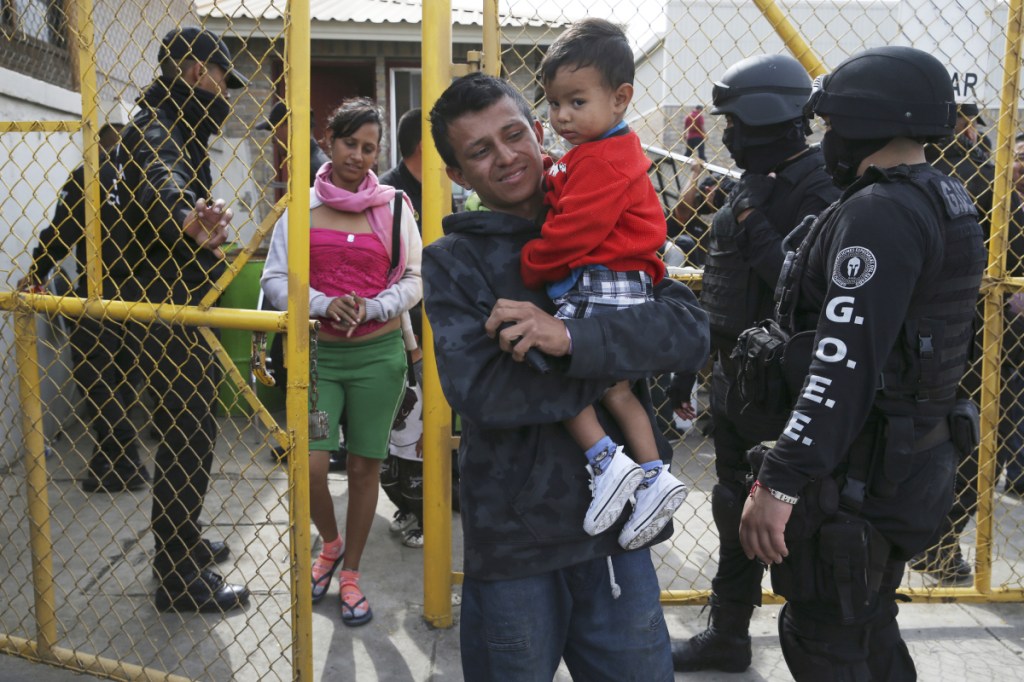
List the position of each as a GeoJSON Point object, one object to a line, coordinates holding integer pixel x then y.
{"type": "Point", "coordinates": [103, 587]}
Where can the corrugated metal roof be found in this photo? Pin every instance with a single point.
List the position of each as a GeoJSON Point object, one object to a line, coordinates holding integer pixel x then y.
{"type": "Point", "coordinates": [464, 12]}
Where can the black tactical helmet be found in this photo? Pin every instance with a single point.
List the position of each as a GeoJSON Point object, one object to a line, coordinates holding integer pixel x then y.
{"type": "Point", "coordinates": [887, 92]}
{"type": "Point", "coordinates": [763, 90]}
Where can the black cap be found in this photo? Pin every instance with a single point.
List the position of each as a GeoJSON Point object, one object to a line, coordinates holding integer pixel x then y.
{"type": "Point", "coordinates": [195, 43]}
{"type": "Point", "coordinates": [970, 110]}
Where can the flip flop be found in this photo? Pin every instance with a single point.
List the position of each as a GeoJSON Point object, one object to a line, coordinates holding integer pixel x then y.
{"type": "Point", "coordinates": [353, 601]}
{"type": "Point", "coordinates": [321, 584]}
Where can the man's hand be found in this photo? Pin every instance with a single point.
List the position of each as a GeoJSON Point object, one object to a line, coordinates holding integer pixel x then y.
{"type": "Point", "coordinates": [348, 311]}
{"type": "Point", "coordinates": [763, 525]}
{"type": "Point", "coordinates": [207, 225]}
{"type": "Point", "coordinates": [533, 328]}
{"type": "Point", "coordinates": [28, 283]}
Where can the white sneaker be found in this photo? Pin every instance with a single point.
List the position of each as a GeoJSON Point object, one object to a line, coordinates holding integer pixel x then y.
{"type": "Point", "coordinates": [413, 537]}
{"type": "Point", "coordinates": [402, 522]}
{"type": "Point", "coordinates": [612, 489]}
{"type": "Point", "coordinates": [655, 505]}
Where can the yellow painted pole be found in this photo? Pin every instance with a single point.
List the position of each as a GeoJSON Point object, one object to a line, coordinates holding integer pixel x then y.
{"type": "Point", "coordinates": [85, 662]}
{"type": "Point", "coordinates": [245, 391]}
{"type": "Point", "coordinates": [297, 84]}
{"type": "Point", "coordinates": [36, 479]}
{"type": "Point", "coordinates": [795, 43]}
{"type": "Point", "coordinates": [437, 428]}
{"type": "Point", "coordinates": [70, 306]}
{"type": "Point", "coordinates": [243, 255]}
{"type": "Point", "coordinates": [492, 39]}
{"type": "Point", "coordinates": [86, 49]}
{"type": "Point", "coordinates": [991, 384]}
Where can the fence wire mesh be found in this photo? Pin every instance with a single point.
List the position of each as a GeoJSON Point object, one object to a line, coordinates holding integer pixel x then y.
{"type": "Point", "coordinates": [115, 391]}
{"type": "Point", "coordinates": [681, 47]}
{"type": "Point", "coordinates": [102, 544]}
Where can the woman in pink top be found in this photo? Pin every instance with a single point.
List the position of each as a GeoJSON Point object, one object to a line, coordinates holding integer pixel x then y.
{"type": "Point", "coordinates": [362, 303]}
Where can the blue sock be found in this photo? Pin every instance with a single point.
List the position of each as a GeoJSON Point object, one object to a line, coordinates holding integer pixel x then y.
{"type": "Point", "coordinates": [600, 447]}
{"type": "Point", "coordinates": [651, 471]}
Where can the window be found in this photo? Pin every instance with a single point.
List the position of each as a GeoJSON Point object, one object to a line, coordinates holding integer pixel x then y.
{"type": "Point", "coordinates": [33, 40]}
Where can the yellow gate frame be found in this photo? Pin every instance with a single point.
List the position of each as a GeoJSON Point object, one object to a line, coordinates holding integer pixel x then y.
{"type": "Point", "coordinates": [295, 322]}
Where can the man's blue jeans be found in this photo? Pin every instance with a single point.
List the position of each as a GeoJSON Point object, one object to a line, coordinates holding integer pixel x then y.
{"type": "Point", "coordinates": [518, 630]}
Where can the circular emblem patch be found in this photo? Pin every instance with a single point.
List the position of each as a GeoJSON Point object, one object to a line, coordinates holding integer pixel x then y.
{"type": "Point", "coordinates": [855, 265]}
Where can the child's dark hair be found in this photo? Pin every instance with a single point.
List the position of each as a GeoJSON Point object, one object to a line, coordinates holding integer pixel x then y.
{"type": "Point", "coordinates": [471, 93]}
{"type": "Point", "coordinates": [352, 115]}
{"type": "Point", "coordinates": [591, 42]}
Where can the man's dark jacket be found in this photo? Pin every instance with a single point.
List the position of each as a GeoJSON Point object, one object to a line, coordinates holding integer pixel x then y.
{"type": "Point", "coordinates": [524, 483]}
{"type": "Point", "coordinates": [163, 168]}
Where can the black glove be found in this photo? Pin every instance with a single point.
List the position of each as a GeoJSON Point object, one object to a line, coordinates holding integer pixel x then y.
{"type": "Point", "coordinates": [752, 191]}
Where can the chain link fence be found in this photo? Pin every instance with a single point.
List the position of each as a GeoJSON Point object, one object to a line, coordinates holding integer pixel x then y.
{"type": "Point", "coordinates": [80, 586]}
{"type": "Point", "coordinates": [681, 47]}
{"type": "Point", "coordinates": [97, 388]}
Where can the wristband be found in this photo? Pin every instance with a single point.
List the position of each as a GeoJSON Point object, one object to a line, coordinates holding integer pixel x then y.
{"type": "Point", "coordinates": [777, 494]}
{"type": "Point", "coordinates": [568, 336]}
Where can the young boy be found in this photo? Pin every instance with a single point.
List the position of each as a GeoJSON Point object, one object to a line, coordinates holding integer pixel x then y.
{"type": "Point", "coordinates": [597, 253]}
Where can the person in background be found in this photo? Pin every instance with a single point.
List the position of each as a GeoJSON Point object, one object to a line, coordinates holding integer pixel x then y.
{"type": "Point", "coordinates": [964, 157]}
{"type": "Point", "coordinates": [360, 290]}
{"type": "Point", "coordinates": [100, 360]}
{"type": "Point", "coordinates": [407, 175]}
{"type": "Point", "coordinates": [694, 132]}
{"type": "Point", "coordinates": [402, 474]}
{"type": "Point", "coordinates": [278, 123]}
{"type": "Point", "coordinates": [783, 181]}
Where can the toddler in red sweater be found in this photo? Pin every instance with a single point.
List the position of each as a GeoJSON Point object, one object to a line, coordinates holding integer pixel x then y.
{"type": "Point", "coordinates": [597, 253]}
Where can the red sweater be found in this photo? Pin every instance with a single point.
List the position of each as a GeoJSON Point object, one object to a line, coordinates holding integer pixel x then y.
{"type": "Point", "coordinates": [604, 211]}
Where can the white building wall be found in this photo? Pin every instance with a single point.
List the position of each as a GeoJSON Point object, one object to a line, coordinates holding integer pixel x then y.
{"type": "Point", "coordinates": [33, 166]}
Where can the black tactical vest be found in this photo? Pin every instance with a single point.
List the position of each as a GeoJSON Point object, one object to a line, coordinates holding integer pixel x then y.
{"type": "Point", "coordinates": [939, 331]}
{"type": "Point", "coordinates": [921, 374]}
{"type": "Point", "coordinates": [734, 297]}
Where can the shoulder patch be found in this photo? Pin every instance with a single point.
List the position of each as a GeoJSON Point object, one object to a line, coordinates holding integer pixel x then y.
{"type": "Point", "coordinates": [954, 197]}
{"type": "Point", "coordinates": [854, 266]}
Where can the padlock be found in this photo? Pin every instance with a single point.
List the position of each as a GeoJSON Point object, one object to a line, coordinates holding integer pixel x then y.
{"type": "Point", "coordinates": [319, 426]}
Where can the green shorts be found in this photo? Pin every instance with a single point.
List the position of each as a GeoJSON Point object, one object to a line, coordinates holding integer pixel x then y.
{"type": "Point", "coordinates": [368, 377]}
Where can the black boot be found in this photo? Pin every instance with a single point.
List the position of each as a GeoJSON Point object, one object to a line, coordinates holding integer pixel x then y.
{"type": "Point", "coordinates": [946, 564]}
{"type": "Point", "coordinates": [724, 646]}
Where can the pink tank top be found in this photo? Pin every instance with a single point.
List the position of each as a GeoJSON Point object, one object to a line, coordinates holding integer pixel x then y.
{"type": "Point", "coordinates": [343, 262]}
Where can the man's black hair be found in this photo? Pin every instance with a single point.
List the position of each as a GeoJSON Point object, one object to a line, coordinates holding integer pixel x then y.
{"type": "Point", "coordinates": [410, 132]}
{"type": "Point", "coordinates": [591, 42]}
{"type": "Point", "coordinates": [469, 94]}
{"type": "Point", "coordinates": [353, 114]}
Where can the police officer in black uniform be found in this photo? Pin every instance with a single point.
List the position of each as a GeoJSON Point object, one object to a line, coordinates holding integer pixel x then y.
{"type": "Point", "coordinates": [966, 158]}
{"type": "Point", "coordinates": [169, 231]}
{"type": "Point", "coordinates": [762, 99]}
{"type": "Point", "coordinates": [101, 366]}
{"type": "Point", "coordinates": [887, 279]}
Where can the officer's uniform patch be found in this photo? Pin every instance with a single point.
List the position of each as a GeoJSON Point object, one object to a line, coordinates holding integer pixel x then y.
{"type": "Point", "coordinates": [955, 198]}
{"type": "Point", "coordinates": [854, 266]}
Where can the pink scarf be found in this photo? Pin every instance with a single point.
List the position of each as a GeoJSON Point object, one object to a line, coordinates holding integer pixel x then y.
{"type": "Point", "coordinates": [372, 199]}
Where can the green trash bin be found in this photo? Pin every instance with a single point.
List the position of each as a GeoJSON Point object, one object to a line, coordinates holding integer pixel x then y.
{"type": "Point", "coordinates": [244, 292]}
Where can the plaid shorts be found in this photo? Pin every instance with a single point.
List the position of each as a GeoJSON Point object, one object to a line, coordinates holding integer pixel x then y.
{"type": "Point", "coordinates": [599, 291]}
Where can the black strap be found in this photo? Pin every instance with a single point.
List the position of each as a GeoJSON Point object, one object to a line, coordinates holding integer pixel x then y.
{"type": "Point", "coordinates": [396, 227]}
